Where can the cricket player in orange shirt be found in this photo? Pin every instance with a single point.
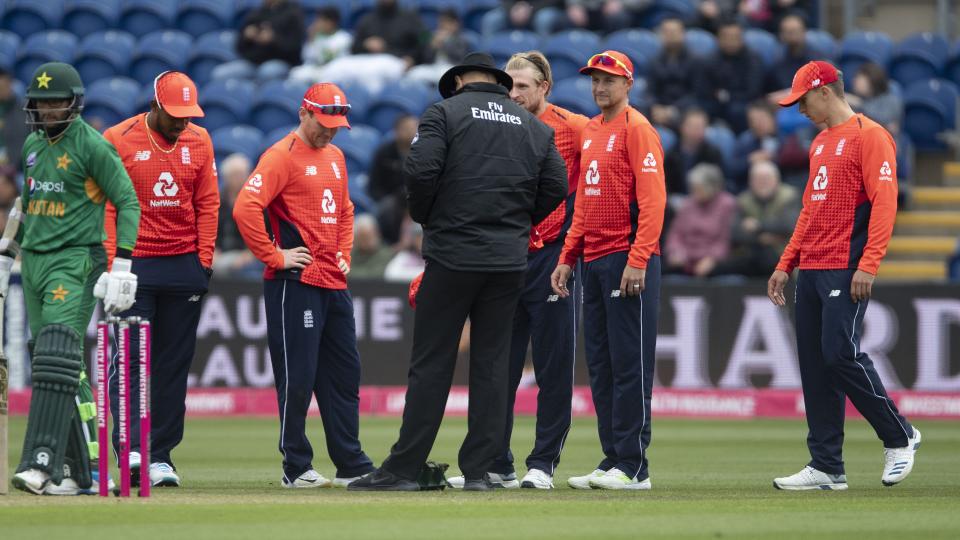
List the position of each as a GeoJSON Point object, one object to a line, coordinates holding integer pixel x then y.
{"type": "Point", "coordinates": [301, 185]}
{"type": "Point", "coordinates": [617, 220]}
{"type": "Point", "coordinates": [171, 164]}
{"type": "Point", "coordinates": [849, 207]}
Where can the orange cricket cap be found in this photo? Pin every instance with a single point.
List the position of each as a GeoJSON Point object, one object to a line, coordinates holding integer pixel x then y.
{"type": "Point", "coordinates": [329, 103]}
{"type": "Point", "coordinates": [613, 62]}
{"type": "Point", "coordinates": [810, 76]}
{"type": "Point", "coordinates": [176, 94]}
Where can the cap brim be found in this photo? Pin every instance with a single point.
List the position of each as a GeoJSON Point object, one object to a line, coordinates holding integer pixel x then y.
{"type": "Point", "coordinates": [611, 70]}
{"type": "Point", "coordinates": [184, 111]}
{"type": "Point", "coordinates": [331, 121]}
{"type": "Point", "coordinates": [791, 98]}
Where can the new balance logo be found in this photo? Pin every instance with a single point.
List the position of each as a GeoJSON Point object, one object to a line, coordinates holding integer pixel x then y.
{"type": "Point", "coordinates": [194, 298]}
{"type": "Point", "coordinates": [586, 143]}
{"type": "Point", "coordinates": [819, 150]}
{"type": "Point", "coordinates": [142, 155]}
{"type": "Point", "coordinates": [834, 293]}
{"type": "Point", "coordinates": [553, 298]}
{"type": "Point", "coordinates": [615, 293]}
{"type": "Point", "coordinates": [311, 170]}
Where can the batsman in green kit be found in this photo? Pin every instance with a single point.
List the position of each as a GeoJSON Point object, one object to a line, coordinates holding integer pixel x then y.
{"type": "Point", "coordinates": [70, 171]}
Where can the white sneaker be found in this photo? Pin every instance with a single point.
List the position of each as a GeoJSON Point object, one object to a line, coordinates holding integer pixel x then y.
{"type": "Point", "coordinates": [504, 481]}
{"type": "Point", "coordinates": [898, 462]}
{"type": "Point", "coordinates": [31, 480]}
{"type": "Point", "coordinates": [344, 482]}
{"type": "Point", "coordinates": [309, 479]}
{"type": "Point", "coordinates": [617, 479]}
{"type": "Point", "coordinates": [134, 461]}
{"type": "Point", "coordinates": [163, 475]}
{"type": "Point", "coordinates": [810, 478]}
{"type": "Point", "coordinates": [537, 479]}
{"type": "Point", "coordinates": [583, 482]}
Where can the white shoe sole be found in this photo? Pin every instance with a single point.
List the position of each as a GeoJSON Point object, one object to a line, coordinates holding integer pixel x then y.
{"type": "Point", "coordinates": [23, 485]}
{"type": "Point", "coordinates": [527, 484]}
{"type": "Point", "coordinates": [579, 483]}
{"type": "Point", "coordinates": [821, 487]}
{"type": "Point", "coordinates": [619, 486]}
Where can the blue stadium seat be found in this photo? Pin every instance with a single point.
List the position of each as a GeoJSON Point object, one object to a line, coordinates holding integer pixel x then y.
{"type": "Point", "coordinates": [209, 51]}
{"type": "Point", "coordinates": [140, 17]}
{"type": "Point", "coordinates": [276, 104]}
{"type": "Point", "coordinates": [29, 17]}
{"type": "Point", "coordinates": [472, 38]}
{"type": "Point", "coordinates": [725, 141]}
{"type": "Point", "coordinates": [822, 44]}
{"type": "Point", "coordinates": [700, 43]}
{"type": "Point", "coordinates": [359, 99]}
{"type": "Point", "coordinates": [9, 43]}
{"type": "Point", "coordinates": [111, 100]}
{"type": "Point", "coordinates": [144, 97]}
{"type": "Point", "coordinates": [574, 94]}
{"type": "Point", "coordinates": [668, 139]}
{"type": "Point", "coordinates": [502, 45]}
{"type": "Point", "coordinates": [474, 10]}
{"type": "Point", "coordinates": [241, 138]}
{"type": "Point", "coordinates": [358, 146]}
{"type": "Point", "coordinates": [639, 95]}
{"type": "Point", "coordinates": [919, 56]}
{"type": "Point", "coordinates": [85, 17]}
{"type": "Point", "coordinates": [952, 69]}
{"type": "Point", "coordinates": [763, 44]}
{"type": "Point", "coordinates": [225, 102]}
{"type": "Point", "coordinates": [860, 47]}
{"type": "Point", "coordinates": [160, 51]}
{"type": "Point", "coordinates": [49, 46]}
{"type": "Point", "coordinates": [104, 54]}
{"type": "Point", "coordinates": [198, 17]}
{"type": "Point", "coordinates": [641, 46]}
{"type": "Point", "coordinates": [241, 9]}
{"type": "Point", "coordinates": [686, 10]}
{"type": "Point", "coordinates": [789, 120]}
{"type": "Point", "coordinates": [930, 107]}
{"type": "Point", "coordinates": [430, 10]}
{"type": "Point", "coordinates": [568, 51]}
{"type": "Point", "coordinates": [275, 135]}
{"type": "Point", "coordinates": [395, 100]}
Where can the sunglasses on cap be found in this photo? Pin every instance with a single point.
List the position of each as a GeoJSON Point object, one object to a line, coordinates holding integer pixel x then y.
{"type": "Point", "coordinates": [603, 59]}
{"type": "Point", "coordinates": [332, 110]}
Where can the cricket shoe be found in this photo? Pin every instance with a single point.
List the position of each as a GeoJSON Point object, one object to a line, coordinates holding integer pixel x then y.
{"type": "Point", "coordinates": [617, 479]}
{"type": "Point", "coordinates": [499, 481]}
{"type": "Point", "coordinates": [898, 462]}
{"type": "Point", "coordinates": [32, 481]}
{"type": "Point", "coordinates": [309, 479]}
{"type": "Point", "coordinates": [70, 487]}
{"type": "Point", "coordinates": [810, 478]}
{"type": "Point", "coordinates": [341, 482]}
{"type": "Point", "coordinates": [134, 468]}
{"type": "Point", "coordinates": [537, 479]}
{"type": "Point", "coordinates": [163, 475]}
{"type": "Point", "coordinates": [583, 482]}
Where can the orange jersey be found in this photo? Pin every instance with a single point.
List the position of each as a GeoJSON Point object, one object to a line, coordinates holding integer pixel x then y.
{"type": "Point", "coordinates": [850, 203]}
{"type": "Point", "coordinates": [304, 193]}
{"type": "Point", "coordinates": [622, 197]}
{"type": "Point", "coordinates": [178, 192]}
{"type": "Point", "coordinates": [567, 128]}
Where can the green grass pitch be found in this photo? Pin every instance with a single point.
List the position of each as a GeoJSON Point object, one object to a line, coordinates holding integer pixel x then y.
{"type": "Point", "coordinates": [711, 479]}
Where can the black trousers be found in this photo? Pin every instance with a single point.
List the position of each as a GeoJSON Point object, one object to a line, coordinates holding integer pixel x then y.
{"type": "Point", "coordinates": [445, 299]}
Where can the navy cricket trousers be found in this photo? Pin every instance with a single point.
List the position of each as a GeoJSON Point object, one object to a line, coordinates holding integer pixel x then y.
{"type": "Point", "coordinates": [620, 336]}
{"type": "Point", "coordinates": [548, 323]}
{"type": "Point", "coordinates": [833, 367]}
{"type": "Point", "coordinates": [313, 347]}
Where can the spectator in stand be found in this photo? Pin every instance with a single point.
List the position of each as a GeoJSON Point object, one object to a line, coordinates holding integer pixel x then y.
{"type": "Point", "coordinates": [369, 257]}
{"type": "Point", "coordinates": [408, 262]}
{"type": "Point", "coordinates": [691, 150]}
{"type": "Point", "coordinates": [699, 236]}
{"type": "Point", "coordinates": [326, 41]}
{"type": "Point", "coordinates": [711, 12]}
{"type": "Point", "coordinates": [760, 142]}
{"type": "Point", "coordinates": [730, 79]}
{"type": "Point", "coordinates": [542, 16]}
{"type": "Point", "coordinates": [446, 49]}
{"type": "Point", "coordinates": [872, 96]}
{"type": "Point", "coordinates": [605, 15]}
{"type": "Point", "coordinates": [385, 185]}
{"type": "Point", "coordinates": [13, 123]}
{"type": "Point", "coordinates": [766, 215]}
{"type": "Point", "coordinates": [270, 41]}
{"type": "Point", "coordinates": [793, 37]}
{"type": "Point", "coordinates": [231, 256]}
{"type": "Point", "coordinates": [671, 75]}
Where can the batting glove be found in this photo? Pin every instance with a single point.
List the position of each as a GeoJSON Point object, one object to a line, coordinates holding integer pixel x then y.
{"type": "Point", "coordinates": [118, 287]}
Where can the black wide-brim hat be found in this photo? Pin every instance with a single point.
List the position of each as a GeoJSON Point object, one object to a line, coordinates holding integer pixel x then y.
{"type": "Point", "coordinates": [475, 61]}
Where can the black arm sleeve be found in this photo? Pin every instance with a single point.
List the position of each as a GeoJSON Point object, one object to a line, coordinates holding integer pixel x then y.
{"type": "Point", "coordinates": [425, 162]}
{"type": "Point", "coordinates": [552, 188]}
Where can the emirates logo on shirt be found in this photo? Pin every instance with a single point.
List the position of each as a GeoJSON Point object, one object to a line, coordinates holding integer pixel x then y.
{"type": "Point", "coordinates": [886, 173]}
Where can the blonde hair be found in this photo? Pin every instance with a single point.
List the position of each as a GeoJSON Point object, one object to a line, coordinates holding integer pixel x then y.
{"type": "Point", "coordinates": [535, 60]}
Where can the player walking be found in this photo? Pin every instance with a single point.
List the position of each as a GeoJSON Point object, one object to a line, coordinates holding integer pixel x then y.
{"type": "Point", "coordinates": [849, 207]}
{"type": "Point", "coordinates": [171, 164]}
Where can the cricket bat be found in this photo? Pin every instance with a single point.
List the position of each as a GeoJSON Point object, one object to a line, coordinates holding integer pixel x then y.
{"type": "Point", "coordinates": [9, 245]}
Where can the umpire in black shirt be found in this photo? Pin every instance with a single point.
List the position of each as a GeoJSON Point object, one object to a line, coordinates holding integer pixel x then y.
{"type": "Point", "coordinates": [480, 170]}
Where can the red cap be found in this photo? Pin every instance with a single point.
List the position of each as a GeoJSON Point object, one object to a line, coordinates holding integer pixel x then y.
{"type": "Point", "coordinates": [613, 62]}
{"type": "Point", "coordinates": [329, 103]}
{"type": "Point", "coordinates": [811, 75]}
{"type": "Point", "coordinates": [176, 94]}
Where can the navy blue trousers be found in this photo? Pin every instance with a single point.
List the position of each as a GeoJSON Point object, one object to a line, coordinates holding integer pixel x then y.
{"type": "Point", "coordinates": [549, 324]}
{"type": "Point", "coordinates": [169, 294]}
{"type": "Point", "coordinates": [620, 335]}
{"type": "Point", "coordinates": [313, 347]}
{"type": "Point", "coordinates": [833, 367]}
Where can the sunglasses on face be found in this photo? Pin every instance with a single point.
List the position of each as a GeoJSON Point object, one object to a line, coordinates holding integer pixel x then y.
{"type": "Point", "coordinates": [608, 61]}
{"type": "Point", "coordinates": [332, 110]}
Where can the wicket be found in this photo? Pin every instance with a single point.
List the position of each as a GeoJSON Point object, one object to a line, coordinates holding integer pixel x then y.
{"type": "Point", "coordinates": [123, 391]}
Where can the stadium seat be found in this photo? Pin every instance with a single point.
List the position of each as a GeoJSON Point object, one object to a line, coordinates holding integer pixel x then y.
{"type": "Point", "coordinates": [641, 46]}
{"type": "Point", "coordinates": [789, 120]}
{"type": "Point", "coordinates": [111, 100]}
{"type": "Point", "coordinates": [401, 98]}
{"type": "Point", "coordinates": [225, 103]}
{"type": "Point", "coordinates": [141, 17]}
{"type": "Point", "coordinates": [952, 69]}
{"type": "Point", "coordinates": [860, 47]}
{"type": "Point", "coordinates": [668, 139]}
{"type": "Point", "coordinates": [49, 46]}
{"type": "Point", "coordinates": [700, 43]}
{"type": "Point", "coordinates": [639, 96]}
{"type": "Point", "coordinates": [920, 56]}
{"type": "Point", "coordinates": [574, 94]}
{"type": "Point", "coordinates": [27, 18]}
{"type": "Point", "coordinates": [104, 54]}
{"type": "Point", "coordinates": [763, 44]}
{"type": "Point", "coordinates": [159, 51]}
{"type": "Point", "coordinates": [85, 17]}
{"type": "Point", "coordinates": [474, 10]}
{"type": "Point", "coordinates": [9, 43]}
{"type": "Point", "coordinates": [569, 51]}
{"type": "Point", "coordinates": [241, 138]}
{"type": "Point", "coordinates": [430, 10]}
{"type": "Point", "coordinates": [359, 99]}
{"type": "Point", "coordinates": [822, 44]}
{"type": "Point", "coordinates": [144, 97]}
{"type": "Point", "coordinates": [240, 10]}
{"type": "Point", "coordinates": [724, 140]}
{"type": "Point", "coordinates": [930, 107]}
{"type": "Point", "coordinates": [358, 146]}
{"type": "Point", "coordinates": [275, 135]}
{"type": "Point", "coordinates": [502, 45]}
{"type": "Point", "coordinates": [276, 104]}
{"type": "Point", "coordinates": [472, 38]}
{"type": "Point", "coordinates": [209, 51]}
{"type": "Point", "coordinates": [198, 17]}
{"type": "Point", "coordinates": [685, 10]}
